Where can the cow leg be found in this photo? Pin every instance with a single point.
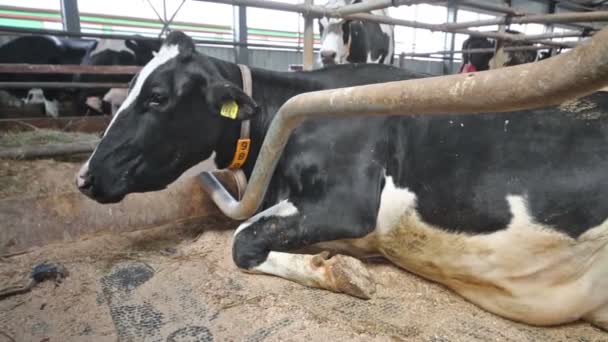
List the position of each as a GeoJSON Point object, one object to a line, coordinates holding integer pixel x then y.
{"type": "Point", "coordinates": [261, 245]}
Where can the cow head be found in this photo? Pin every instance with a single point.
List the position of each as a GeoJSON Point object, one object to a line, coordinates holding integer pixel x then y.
{"type": "Point", "coordinates": [488, 60]}
{"type": "Point", "coordinates": [335, 35]}
{"type": "Point", "coordinates": [335, 40]}
{"type": "Point", "coordinates": [481, 61]}
{"type": "Point", "coordinates": [169, 122]}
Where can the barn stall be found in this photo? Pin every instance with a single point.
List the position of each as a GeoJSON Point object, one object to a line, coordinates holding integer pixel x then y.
{"type": "Point", "coordinates": [158, 266]}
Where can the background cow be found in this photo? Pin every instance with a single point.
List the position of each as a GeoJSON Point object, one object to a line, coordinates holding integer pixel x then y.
{"type": "Point", "coordinates": [355, 41]}
{"type": "Point", "coordinates": [42, 50]}
{"type": "Point", "coordinates": [510, 210]}
{"type": "Point", "coordinates": [485, 61]}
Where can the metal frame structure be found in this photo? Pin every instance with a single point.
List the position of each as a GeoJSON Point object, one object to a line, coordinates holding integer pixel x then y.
{"type": "Point", "coordinates": [310, 11]}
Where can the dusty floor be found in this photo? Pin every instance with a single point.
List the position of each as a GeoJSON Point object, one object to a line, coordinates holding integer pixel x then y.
{"type": "Point", "coordinates": [178, 283]}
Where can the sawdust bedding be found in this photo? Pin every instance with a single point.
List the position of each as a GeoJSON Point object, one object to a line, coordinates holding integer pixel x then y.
{"type": "Point", "coordinates": [178, 283]}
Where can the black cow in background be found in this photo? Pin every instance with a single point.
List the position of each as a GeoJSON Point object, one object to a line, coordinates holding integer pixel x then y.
{"type": "Point", "coordinates": [354, 41]}
{"type": "Point", "coordinates": [113, 52]}
{"type": "Point", "coordinates": [472, 62]}
{"type": "Point", "coordinates": [42, 49]}
{"type": "Point", "coordinates": [45, 49]}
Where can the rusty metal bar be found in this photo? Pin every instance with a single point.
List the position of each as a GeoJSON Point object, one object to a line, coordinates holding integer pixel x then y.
{"type": "Point", "coordinates": [581, 71]}
{"type": "Point", "coordinates": [480, 50]}
{"type": "Point", "coordinates": [55, 85]}
{"type": "Point", "coordinates": [557, 18]}
{"type": "Point", "coordinates": [362, 7]}
{"type": "Point", "coordinates": [484, 5]}
{"type": "Point", "coordinates": [68, 69]}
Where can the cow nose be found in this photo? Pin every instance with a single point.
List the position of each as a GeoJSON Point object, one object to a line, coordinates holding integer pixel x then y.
{"type": "Point", "coordinates": [328, 57]}
{"type": "Point", "coordinates": [84, 180]}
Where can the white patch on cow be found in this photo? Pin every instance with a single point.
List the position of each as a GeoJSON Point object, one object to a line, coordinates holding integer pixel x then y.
{"type": "Point", "coordinates": [370, 60]}
{"type": "Point", "coordinates": [527, 271]}
{"type": "Point", "coordinates": [51, 108]}
{"type": "Point", "coordinates": [115, 97]}
{"type": "Point", "coordinates": [281, 209]}
{"type": "Point", "coordinates": [36, 95]}
{"type": "Point", "coordinates": [394, 202]}
{"type": "Point", "coordinates": [94, 102]}
{"type": "Point", "coordinates": [116, 45]}
{"type": "Point", "coordinates": [333, 40]}
{"type": "Point", "coordinates": [506, 124]}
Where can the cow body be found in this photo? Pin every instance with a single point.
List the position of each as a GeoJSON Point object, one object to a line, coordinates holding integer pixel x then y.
{"type": "Point", "coordinates": [507, 209]}
{"type": "Point", "coordinates": [354, 41]}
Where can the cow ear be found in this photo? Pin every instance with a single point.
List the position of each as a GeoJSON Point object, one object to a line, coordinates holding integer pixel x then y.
{"type": "Point", "coordinates": [185, 43]}
{"type": "Point", "coordinates": [229, 101]}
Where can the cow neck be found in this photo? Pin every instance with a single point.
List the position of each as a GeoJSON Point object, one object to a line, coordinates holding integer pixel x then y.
{"type": "Point", "coordinates": [243, 144]}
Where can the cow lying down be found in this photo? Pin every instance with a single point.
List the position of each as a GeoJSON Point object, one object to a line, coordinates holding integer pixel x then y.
{"type": "Point", "coordinates": [507, 209]}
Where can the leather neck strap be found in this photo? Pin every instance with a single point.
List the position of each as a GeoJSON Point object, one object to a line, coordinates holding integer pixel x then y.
{"type": "Point", "coordinates": [244, 143]}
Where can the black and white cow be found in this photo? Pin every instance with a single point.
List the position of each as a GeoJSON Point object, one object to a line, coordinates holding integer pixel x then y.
{"type": "Point", "coordinates": [42, 50]}
{"type": "Point", "coordinates": [354, 41]}
{"type": "Point", "coordinates": [507, 209]}
{"type": "Point", "coordinates": [114, 52]}
{"type": "Point", "coordinates": [472, 62]}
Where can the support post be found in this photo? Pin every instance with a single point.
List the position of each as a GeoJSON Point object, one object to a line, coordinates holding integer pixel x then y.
{"type": "Point", "coordinates": [70, 16]}
{"type": "Point", "coordinates": [308, 57]}
{"type": "Point", "coordinates": [450, 38]}
{"type": "Point", "coordinates": [241, 55]}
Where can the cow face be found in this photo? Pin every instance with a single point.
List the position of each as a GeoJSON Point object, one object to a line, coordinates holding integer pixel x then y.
{"type": "Point", "coordinates": [335, 40]}
{"type": "Point", "coordinates": [169, 121]}
{"type": "Point", "coordinates": [481, 61]}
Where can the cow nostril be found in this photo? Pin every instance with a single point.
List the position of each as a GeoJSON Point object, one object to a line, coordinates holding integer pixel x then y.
{"type": "Point", "coordinates": [84, 180]}
{"type": "Point", "coordinates": [328, 55]}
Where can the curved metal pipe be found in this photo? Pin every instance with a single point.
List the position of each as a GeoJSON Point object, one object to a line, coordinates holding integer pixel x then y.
{"type": "Point", "coordinates": [576, 73]}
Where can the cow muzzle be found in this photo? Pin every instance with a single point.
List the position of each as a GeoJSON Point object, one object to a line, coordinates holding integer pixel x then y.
{"type": "Point", "coordinates": [328, 57]}
{"type": "Point", "coordinates": [84, 180]}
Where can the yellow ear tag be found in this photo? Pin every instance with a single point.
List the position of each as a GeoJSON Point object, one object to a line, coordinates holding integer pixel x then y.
{"type": "Point", "coordinates": [229, 110]}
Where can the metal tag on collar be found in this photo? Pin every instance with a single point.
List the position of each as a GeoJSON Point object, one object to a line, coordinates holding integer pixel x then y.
{"type": "Point", "coordinates": [241, 153]}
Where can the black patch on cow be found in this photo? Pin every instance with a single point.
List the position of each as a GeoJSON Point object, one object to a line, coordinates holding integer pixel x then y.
{"type": "Point", "coordinates": [346, 31]}
{"type": "Point", "coordinates": [367, 38]}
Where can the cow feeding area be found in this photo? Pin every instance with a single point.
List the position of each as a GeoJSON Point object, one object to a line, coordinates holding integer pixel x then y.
{"type": "Point", "coordinates": [162, 278]}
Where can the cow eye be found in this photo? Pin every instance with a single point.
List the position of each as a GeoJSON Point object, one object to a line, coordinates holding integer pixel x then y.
{"type": "Point", "coordinates": [157, 99]}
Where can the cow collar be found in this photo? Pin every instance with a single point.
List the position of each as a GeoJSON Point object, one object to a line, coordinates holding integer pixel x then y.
{"type": "Point", "coordinates": [243, 144]}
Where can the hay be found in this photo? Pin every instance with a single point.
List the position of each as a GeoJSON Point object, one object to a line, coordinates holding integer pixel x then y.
{"type": "Point", "coordinates": [39, 137]}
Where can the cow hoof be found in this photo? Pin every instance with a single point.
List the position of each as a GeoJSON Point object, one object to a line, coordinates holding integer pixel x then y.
{"type": "Point", "coordinates": [347, 275]}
